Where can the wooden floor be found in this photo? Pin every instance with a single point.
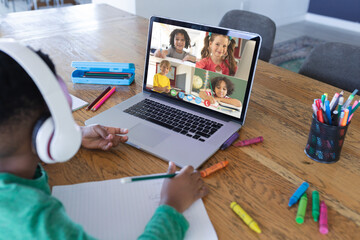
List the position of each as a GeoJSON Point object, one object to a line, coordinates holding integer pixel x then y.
{"type": "Point", "coordinates": [324, 32]}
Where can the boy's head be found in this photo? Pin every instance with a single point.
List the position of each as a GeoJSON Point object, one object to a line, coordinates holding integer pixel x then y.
{"type": "Point", "coordinates": [21, 103]}
{"type": "Point", "coordinates": [34, 107]}
{"type": "Point", "coordinates": [165, 66]}
{"type": "Point", "coordinates": [179, 39]}
{"type": "Point", "coordinates": [222, 86]}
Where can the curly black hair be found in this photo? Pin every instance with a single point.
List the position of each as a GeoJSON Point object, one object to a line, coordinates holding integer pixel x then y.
{"type": "Point", "coordinates": [19, 96]}
{"type": "Point", "coordinates": [183, 32]}
{"type": "Point", "coordinates": [229, 84]}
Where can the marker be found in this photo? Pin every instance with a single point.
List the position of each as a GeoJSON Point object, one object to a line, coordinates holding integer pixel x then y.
{"type": "Point", "coordinates": [147, 177]}
{"type": "Point", "coordinates": [318, 105]}
{"type": "Point", "coordinates": [245, 217]}
{"type": "Point", "coordinates": [206, 172]}
{"type": "Point", "coordinates": [319, 116]}
{"type": "Point", "coordinates": [301, 209]}
{"type": "Point", "coordinates": [341, 118]}
{"type": "Point", "coordinates": [230, 140]}
{"type": "Point", "coordinates": [327, 111]}
{"type": "Point", "coordinates": [323, 97]}
{"type": "Point", "coordinates": [323, 222]}
{"type": "Point", "coordinates": [248, 141]}
{"type": "Point", "coordinates": [354, 107]}
{"type": "Point", "coordinates": [315, 109]}
{"type": "Point", "coordinates": [350, 98]}
{"type": "Point", "coordinates": [297, 194]}
{"type": "Point", "coordinates": [315, 205]}
{"type": "Point", "coordinates": [333, 101]}
{"type": "Point", "coordinates": [341, 101]}
{"type": "Point", "coordinates": [324, 116]}
{"type": "Point", "coordinates": [343, 121]}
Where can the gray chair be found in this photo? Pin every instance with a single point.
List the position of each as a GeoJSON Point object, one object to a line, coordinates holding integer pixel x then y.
{"type": "Point", "coordinates": [337, 64]}
{"type": "Point", "coordinates": [252, 22]}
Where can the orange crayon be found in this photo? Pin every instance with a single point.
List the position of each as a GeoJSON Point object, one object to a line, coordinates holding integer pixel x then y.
{"type": "Point", "coordinates": [214, 168]}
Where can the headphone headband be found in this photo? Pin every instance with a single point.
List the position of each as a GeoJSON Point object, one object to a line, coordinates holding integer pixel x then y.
{"type": "Point", "coordinates": [65, 138]}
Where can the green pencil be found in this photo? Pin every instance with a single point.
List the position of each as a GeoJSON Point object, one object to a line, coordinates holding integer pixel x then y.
{"type": "Point", "coordinates": [146, 177]}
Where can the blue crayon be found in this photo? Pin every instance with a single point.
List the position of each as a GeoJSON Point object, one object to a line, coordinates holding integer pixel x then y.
{"type": "Point", "coordinates": [298, 193]}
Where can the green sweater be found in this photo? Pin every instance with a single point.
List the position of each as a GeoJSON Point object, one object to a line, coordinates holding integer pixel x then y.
{"type": "Point", "coordinates": [28, 211]}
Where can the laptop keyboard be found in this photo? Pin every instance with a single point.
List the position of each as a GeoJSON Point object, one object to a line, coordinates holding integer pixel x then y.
{"type": "Point", "coordinates": [174, 119]}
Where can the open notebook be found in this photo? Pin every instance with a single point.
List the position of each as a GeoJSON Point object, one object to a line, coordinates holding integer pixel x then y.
{"type": "Point", "coordinates": [113, 210]}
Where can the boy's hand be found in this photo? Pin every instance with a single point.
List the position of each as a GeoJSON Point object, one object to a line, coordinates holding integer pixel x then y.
{"type": "Point", "coordinates": [166, 89]}
{"type": "Point", "coordinates": [182, 190]}
{"type": "Point", "coordinates": [100, 137]}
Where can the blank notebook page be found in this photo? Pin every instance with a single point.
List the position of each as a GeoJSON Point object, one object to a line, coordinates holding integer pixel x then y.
{"type": "Point", "coordinates": [113, 210]}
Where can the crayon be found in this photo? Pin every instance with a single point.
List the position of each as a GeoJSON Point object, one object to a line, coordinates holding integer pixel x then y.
{"type": "Point", "coordinates": [300, 215]}
{"type": "Point", "coordinates": [315, 205]}
{"type": "Point", "coordinates": [298, 193]}
{"type": "Point", "coordinates": [206, 172]}
{"type": "Point", "coordinates": [323, 222]}
{"type": "Point", "coordinates": [245, 217]}
{"type": "Point", "coordinates": [230, 140]}
{"type": "Point", "coordinates": [248, 141]}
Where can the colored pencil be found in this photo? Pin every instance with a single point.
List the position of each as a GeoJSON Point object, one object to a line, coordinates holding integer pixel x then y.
{"type": "Point", "coordinates": [98, 98]}
{"type": "Point", "coordinates": [103, 99]}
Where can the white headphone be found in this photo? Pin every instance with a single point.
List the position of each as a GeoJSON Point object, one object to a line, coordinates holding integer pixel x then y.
{"type": "Point", "coordinates": [56, 138]}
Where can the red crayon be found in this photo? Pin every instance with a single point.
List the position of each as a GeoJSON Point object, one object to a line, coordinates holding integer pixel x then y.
{"type": "Point", "coordinates": [248, 141]}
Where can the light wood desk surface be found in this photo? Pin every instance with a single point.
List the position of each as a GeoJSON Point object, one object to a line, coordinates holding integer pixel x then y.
{"type": "Point", "coordinates": [260, 177]}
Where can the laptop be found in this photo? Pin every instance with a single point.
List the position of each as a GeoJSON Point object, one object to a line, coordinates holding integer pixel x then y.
{"type": "Point", "coordinates": [188, 122]}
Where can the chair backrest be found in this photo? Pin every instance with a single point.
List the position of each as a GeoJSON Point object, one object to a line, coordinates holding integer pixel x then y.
{"type": "Point", "coordinates": [252, 22]}
{"type": "Point", "coordinates": [337, 64]}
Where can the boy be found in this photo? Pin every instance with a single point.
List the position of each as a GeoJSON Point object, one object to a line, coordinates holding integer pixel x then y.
{"type": "Point", "coordinates": [28, 211]}
{"type": "Point", "coordinates": [161, 81]}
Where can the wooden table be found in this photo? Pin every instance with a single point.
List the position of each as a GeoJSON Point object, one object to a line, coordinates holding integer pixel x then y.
{"type": "Point", "coordinates": [260, 177]}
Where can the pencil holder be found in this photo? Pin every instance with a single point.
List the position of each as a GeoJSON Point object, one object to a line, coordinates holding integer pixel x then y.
{"type": "Point", "coordinates": [325, 141]}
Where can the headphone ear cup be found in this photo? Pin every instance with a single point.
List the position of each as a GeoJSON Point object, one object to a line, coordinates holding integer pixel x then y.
{"type": "Point", "coordinates": [41, 138]}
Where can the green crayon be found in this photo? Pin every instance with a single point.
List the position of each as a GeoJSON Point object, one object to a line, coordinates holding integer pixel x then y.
{"type": "Point", "coordinates": [302, 209]}
{"type": "Point", "coordinates": [315, 205]}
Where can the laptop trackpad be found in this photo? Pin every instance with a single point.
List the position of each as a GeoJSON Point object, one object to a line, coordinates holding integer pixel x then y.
{"type": "Point", "coordinates": [147, 135]}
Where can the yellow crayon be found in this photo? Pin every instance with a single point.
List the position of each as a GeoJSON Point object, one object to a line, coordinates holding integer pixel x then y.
{"type": "Point", "coordinates": [245, 217]}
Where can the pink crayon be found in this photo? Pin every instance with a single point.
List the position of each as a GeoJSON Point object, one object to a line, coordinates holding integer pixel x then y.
{"type": "Point", "coordinates": [323, 223]}
{"type": "Point", "coordinates": [248, 141]}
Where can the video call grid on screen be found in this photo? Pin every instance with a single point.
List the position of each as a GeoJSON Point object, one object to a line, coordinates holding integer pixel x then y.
{"type": "Point", "coordinates": [190, 75]}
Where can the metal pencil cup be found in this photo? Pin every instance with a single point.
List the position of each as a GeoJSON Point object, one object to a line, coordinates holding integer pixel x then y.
{"type": "Point", "coordinates": [325, 141]}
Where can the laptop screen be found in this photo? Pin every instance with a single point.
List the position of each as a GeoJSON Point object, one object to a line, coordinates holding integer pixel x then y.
{"type": "Point", "coordinates": [210, 67]}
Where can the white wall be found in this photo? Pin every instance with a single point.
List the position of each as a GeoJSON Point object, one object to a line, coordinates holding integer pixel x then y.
{"type": "Point", "coordinates": [126, 5]}
{"type": "Point", "coordinates": [210, 12]}
{"type": "Point", "coordinates": [282, 12]}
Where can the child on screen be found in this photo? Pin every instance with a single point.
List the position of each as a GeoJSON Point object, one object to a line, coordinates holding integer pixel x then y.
{"type": "Point", "coordinates": [179, 39]}
{"type": "Point", "coordinates": [28, 211]}
{"type": "Point", "coordinates": [161, 81]}
{"type": "Point", "coordinates": [221, 88]}
{"type": "Point", "coordinates": [217, 54]}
